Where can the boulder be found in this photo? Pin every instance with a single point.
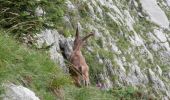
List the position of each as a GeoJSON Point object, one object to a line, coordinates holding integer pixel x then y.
{"type": "Point", "coordinates": [18, 92]}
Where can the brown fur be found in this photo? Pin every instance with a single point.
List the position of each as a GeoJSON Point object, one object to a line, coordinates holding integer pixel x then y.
{"type": "Point", "coordinates": [79, 62]}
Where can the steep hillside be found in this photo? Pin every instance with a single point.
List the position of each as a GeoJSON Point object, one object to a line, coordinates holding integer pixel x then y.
{"type": "Point", "coordinates": [32, 68]}
{"type": "Point", "coordinates": [130, 48]}
{"type": "Point", "coordinates": [131, 44]}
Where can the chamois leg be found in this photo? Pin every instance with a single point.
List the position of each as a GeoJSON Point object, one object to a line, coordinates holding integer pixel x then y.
{"type": "Point", "coordinates": [86, 79]}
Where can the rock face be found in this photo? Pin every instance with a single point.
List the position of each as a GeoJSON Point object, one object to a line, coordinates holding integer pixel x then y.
{"type": "Point", "coordinates": [57, 44]}
{"type": "Point", "coordinates": [14, 92]}
{"type": "Point", "coordinates": [153, 11]}
{"type": "Point", "coordinates": [131, 42]}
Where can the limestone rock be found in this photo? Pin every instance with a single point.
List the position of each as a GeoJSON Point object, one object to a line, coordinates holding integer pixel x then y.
{"type": "Point", "coordinates": [18, 92]}
{"type": "Point", "coordinates": [151, 7]}
{"type": "Point", "coordinates": [158, 83]}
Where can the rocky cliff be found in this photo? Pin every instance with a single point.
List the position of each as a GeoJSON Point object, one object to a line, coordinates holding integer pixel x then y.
{"type": "Point", "coordinates": [131, 44]}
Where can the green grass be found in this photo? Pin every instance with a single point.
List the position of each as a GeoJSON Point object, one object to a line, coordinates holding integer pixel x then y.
{"type": "Point", "coordinates": [31, 68]}
{"type": "Point", "coordinates": [90, 93]}
{"type": "Point", "coordinates": [128, 93]}
{"type": "Point", "coordinates": [18, 17]}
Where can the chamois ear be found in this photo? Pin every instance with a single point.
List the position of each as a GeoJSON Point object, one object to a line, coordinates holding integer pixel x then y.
{"type": "Point", "coordinates": [86, 37]}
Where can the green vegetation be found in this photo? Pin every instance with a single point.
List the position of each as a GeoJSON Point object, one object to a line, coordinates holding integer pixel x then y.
{"type": "Point", "coordinates": [127, 93]}
{"type": "Point", "coordinates": [90, 93]}
{"type": "Point", "coordinates": [31, 68]}
{"type": "Point", "coordinates": [123, 43]}
{"type": "Point", "coordinates": [20, 18]}
{"type": "Point", "coordinates": [143, 25]}
{"type": "Point", "coordinates": [83, 10]}
{"type": "Point", "coordinates": [112, 26]}
{"type": "Point", "coordinates": [34, 69]}
{"type": "Point", "coordinates": [94, 66]}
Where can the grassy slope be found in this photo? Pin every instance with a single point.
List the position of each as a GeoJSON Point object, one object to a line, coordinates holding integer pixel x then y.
{"type": "Point", "coordinates": [34, 69]}
{"type": "Point", "coordinates": [31, 68]}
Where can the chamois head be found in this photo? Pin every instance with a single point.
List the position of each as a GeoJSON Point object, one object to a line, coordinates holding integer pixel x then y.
{"type": "Point", "coordinates": [78, 42]}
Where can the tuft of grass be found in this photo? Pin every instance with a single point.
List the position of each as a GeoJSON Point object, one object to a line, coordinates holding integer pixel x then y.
{"type": "Point", "coordinates": [127, 93]}
{"type": "Point", "coordinates": [89, 93]}
{"type": "Point", "coordinates": [138, 26]}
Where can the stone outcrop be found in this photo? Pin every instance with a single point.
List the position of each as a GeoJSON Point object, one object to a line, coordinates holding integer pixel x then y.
{"type": "Point", "coordinates": [18, 92]}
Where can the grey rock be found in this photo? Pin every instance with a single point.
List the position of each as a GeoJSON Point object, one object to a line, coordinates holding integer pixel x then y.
{"type": "Point", "coordinates": [67, 46]}
{"type": "Point", "coordinates": [18, 92]}
{"type": "Point", "coordinates": [165, 98]}
{"type": "Point", "coordinates": [157, 83]}
{"type": "Point", "coordinates": [39, 11]}
{"type": "Point", "coordinates": [106, 83]}
{"type": "Point", "coordinates": [51, 39]}
{"type": "Point", "coordinates": [158, 70]}
{"type": "Point", "coordinates": [135, 76]}
{"type": "Point", "coordinates": [70, 5]}
{"type": "Point", "coordinates": [109, 67]}
{"type": "Point", "coordinates": [67, 23]}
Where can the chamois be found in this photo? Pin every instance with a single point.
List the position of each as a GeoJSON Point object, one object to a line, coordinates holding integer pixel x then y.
{"type": "Point", "coordinates": [78, 61]}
